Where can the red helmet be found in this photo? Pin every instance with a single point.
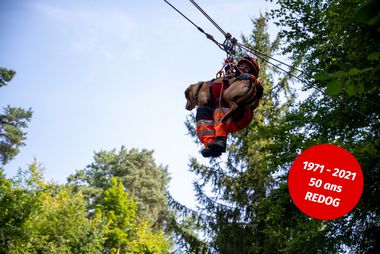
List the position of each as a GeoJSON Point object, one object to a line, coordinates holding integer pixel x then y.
{"type": "Point", "coordinates": [252, 62]}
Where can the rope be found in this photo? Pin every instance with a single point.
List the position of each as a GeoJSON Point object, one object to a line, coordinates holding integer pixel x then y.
{"type": "Point", "coordinates": [221, 96]}
{"type": "Point", "coordinates": [263, 56]}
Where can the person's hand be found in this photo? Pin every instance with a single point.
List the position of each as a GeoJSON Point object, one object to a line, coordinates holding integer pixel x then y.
{"type": "Point", "coordinates": [244, 76]}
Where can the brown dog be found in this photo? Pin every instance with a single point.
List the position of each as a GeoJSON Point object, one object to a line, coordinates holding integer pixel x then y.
{"type": "Point", "coordinates": [240, 93]}
{"type": "Point", "coordinates": [197, 94]}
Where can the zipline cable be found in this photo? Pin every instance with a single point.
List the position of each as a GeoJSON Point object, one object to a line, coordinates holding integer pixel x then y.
{"type": "Point", "coordinates": [200, 29]}
{"type": "Point", "coordinates": [208, 17]}
{"type": "Point", "coordinates": [264, 56]}
{"type": "Point", "coordinates": [251, 50]}
{"type": "Point", "coordinates": [209, 36]}
{"type": "Point", "coordinates": [306, 82]}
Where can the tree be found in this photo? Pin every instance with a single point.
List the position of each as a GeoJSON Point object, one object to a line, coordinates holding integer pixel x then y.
{"type": "Point", "coordinates": [6, 75]}
{"type": "Point", "coordinates": [148, 241]}
{"type": "Point", "coordinates": [120, 212]}
{"type": "Point", "coordinates": [16, 207]}
{"type": "Point", "coordinates": [123, 233]}
{"type": "Point", "coordinates": [142, 178]}
{"type": "Point", "coordinates": [343, 74]}
{"type": "Point", "coordinates": [249, 209]}
{"type": "Point", "coordinates": [39, 217]}
{"type": "Point", "coordinates": [12, 123]}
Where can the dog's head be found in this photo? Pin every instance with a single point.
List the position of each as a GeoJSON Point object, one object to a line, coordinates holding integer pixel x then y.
{"type": "Point", "coordinates": [191, 96]}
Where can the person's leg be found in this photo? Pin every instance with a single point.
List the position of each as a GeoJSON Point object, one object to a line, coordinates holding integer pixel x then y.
{"type": "Point", "coordinates": [221, 129]}
{"type": "Point", "coordinates": [209, 123]}
{"type": "Point", "coordinates": [205, 124]}
{"type": "Point", "coordinates": [205, 129]}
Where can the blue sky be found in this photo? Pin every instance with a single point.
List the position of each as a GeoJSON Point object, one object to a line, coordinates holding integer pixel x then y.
{"type": "Point", "coordinates": [102, 74]}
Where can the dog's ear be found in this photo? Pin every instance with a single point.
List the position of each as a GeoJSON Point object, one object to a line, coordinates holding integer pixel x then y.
{"type": "Point", "coordinates": [189, 99]}
{"type": "Point", "coordinates": [187, 92]}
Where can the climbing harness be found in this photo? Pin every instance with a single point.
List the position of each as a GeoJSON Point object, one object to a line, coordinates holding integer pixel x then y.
{"type": "Point", "coordinates": [231, 46]}
{"type": "Point", "coordinates": [227, 69]}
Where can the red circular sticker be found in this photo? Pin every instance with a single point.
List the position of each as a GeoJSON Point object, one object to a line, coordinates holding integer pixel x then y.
{"type": "Point", "coordinates": [325, 182]}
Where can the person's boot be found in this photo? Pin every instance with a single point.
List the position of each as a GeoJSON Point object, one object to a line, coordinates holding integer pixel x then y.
{"type": "Point", "coordinates": [219, 144]}
{"type": "Point", "coordinates": [208, 152]}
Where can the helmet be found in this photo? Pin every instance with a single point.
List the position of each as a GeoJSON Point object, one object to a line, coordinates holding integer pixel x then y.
{"type": "Point", "coordinates": [252, 62]}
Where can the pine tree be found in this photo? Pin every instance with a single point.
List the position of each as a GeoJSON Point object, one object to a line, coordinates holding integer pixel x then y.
{"type": "Point", "coordinates": [12, 122]}
{"type": "Point", "coordinates": [142, 178]}
{"type": "Point", "coordinates": [244, 202]}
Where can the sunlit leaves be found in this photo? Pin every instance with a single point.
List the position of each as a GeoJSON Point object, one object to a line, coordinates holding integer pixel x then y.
{"type": "Point", "coordinates": [41, 217]}
{"type": "Point", "coordinates": [145, 181]}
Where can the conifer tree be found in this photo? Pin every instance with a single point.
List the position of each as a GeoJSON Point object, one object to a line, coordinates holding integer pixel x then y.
{"type": "Point", "coordinates": [142, 178]}
{"type": "Point", "coordinates": [12, 122]}
{"type": "Point", "coordinates": [243, 197]}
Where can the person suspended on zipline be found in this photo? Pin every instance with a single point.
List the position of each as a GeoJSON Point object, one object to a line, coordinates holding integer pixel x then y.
{"type": "Point", "coordinates": [212, 127]}
{"type": "Point", "coordinates": [212, 123]}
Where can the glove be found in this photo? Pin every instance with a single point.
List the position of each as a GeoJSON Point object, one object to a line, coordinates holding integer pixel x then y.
{"type": "Point", "coordinates": [244, 76]}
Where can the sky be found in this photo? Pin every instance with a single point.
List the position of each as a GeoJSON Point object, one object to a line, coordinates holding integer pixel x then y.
{"type": "Point", "coordinates": [99, 75]}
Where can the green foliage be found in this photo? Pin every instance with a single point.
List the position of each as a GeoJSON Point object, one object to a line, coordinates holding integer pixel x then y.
{"type": "Point", "coordinates": [119, 212]}
{"type": "Point", "coordinates": [148, 241]}
{"type": "Point", "coordinates": [142, 178]}
{"type": "Point", "coordinates": [123, 233]}
{"type": "Point", "coordinates": [339, 43]}
{"type": "Point", "coordinates": [248, 206]}
{"type": "Point", "coordinates": [60, 225]}
{"type": "Point", "coordinates": [46, 218]}
{"type": "Point", "coordinates": [338, 38]}
{"type": "Point", "coordinates": [5, 76]}
{"type": "Point", "coordinates": [40, 217]}
{"type": "Point", "coordinates": [12, 122]}
{"type": "Point", "coordinates": [16, 207]}
{"type": "Point", "coordinates": [245, 206]}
